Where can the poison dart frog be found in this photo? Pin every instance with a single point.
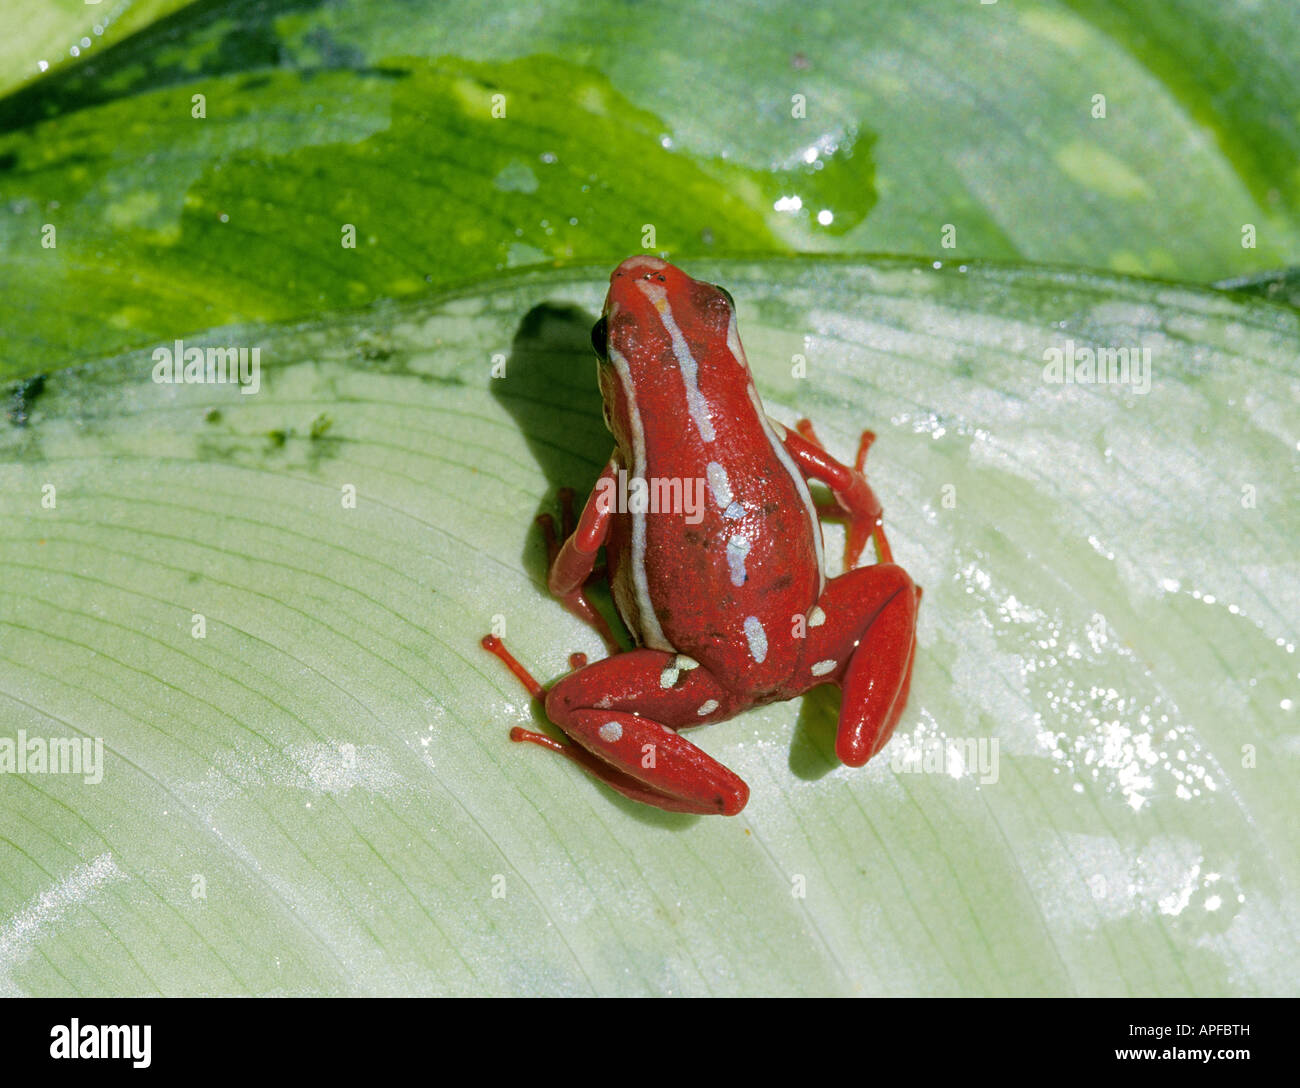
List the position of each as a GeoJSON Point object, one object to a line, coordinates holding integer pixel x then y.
{"type": "Point", "coordinates": [728, 603]}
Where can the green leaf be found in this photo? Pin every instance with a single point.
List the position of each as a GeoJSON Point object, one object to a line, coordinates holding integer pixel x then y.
{"type": "Point", "coordinates": [50, 36]}
{"type": "Point", "coordinates": [855, 128]}
{"type": "Point", "coordinates": [319, 796]}
{"type": "Point", "coordinates": [1281, 287]}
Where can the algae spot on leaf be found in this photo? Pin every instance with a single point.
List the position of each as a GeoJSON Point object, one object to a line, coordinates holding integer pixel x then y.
{"type": "Point", "coordinates": [22, 395]}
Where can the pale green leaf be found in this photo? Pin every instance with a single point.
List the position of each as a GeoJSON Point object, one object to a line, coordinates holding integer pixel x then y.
{"type": "Point", "coordinates": [1110, 594]}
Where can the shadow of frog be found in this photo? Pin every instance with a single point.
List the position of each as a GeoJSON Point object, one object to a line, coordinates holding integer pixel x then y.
{"type": "Point", "coordinates": [549, 388]}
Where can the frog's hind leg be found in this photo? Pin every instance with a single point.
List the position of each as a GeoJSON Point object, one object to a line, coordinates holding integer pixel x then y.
{"type": "Point", "coordinates": [865, 640]}
{"type": "Point", "coordinates": [622, 714]}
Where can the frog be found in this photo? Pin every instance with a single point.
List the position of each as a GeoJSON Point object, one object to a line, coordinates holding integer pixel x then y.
{"type": "Point", "coordinates": [726, 600]}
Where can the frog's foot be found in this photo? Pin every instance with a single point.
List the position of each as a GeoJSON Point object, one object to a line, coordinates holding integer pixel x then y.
{"type": "Point", "coordinates": [854, 501]}
{"type": "Point", "coordinates": [557, 564]}
{"type": "Point", "coordinates": [639, 753]}
{"type": "Point", "coordinates": [865, 642]}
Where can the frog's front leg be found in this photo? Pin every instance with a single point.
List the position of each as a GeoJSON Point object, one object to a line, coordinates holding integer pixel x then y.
{"type": "Point", "coordinates": [862, 636]}
{"type": "Point", "coordinates": [622, 715]}
{"type": "Point", "coordinates": [854, 498]}
{"type": "Point", "coordinates": [572, 564]}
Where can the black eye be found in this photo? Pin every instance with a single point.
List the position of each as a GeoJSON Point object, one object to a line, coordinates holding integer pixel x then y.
{"type": "Point", "coordinates": [598, 336]}
{"type": "Point", "coordinates": [727, 295]}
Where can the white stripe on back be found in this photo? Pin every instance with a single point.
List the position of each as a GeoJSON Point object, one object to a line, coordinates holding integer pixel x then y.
{"type": "Point", "coordinates": [652, 633]}
{"type": "Point", "coordinates": [686, 363]}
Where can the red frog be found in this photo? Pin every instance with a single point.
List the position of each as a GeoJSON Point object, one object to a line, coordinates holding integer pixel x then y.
{"type": "Point", "coordinates": [727, 599]}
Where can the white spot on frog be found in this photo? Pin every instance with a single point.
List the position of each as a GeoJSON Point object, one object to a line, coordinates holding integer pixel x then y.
{"type": "Point", "coordinates": [719, 484]}
{"type": "Point", "coordinates": [611, 732]}
{"type": "Point", "coordinates": [756, 637]}
{"type": "Point", "coordinates": [707, 708]}
{"type": "Point", "coordinates": [672, 671]}
{"type": "Point", "coordinates": [737, 549]}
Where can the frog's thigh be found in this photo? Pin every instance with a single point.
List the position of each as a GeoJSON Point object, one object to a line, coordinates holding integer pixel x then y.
{"type": "Point", "coordinates": [625, 712]}
{"type": "Point", "coordinates": [849, 606]}
{"type": "Point", "coordinates": [668, 688]}
{"type": "Point", "coordinates": [865, 642]}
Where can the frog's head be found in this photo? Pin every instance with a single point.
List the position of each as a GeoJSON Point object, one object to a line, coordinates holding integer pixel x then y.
{"type": "Point", "coordinates": [665, 341]}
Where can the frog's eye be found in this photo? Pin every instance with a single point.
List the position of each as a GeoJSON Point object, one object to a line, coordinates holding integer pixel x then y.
{"type": "Point", "coordinates": [727, 295]}
{"type": "Point", "coordinates": [598, 337]}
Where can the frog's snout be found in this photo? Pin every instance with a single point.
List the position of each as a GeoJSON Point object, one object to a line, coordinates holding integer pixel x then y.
{"type": "Point", "coordinates": [640, 266]}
